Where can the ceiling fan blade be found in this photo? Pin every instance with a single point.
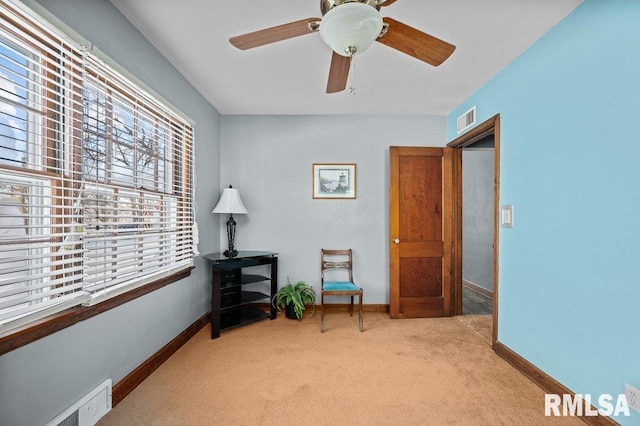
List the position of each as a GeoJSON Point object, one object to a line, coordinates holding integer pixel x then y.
{"type": "Point", "coordinates": [415, 43]}
{"type": "Point", "coordinates": [338, 73]}
{"type": "Point", "coordinates": [387, 3]}
{"type": "Point", "coordinates": [273, 34]}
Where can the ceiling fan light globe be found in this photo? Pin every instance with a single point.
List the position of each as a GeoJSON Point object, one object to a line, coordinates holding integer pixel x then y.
{"type": "Point", "coordinates": [350, 25]}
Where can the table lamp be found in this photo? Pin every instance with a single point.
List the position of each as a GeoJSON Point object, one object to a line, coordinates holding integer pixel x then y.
{"type": "Point", "coordinates": [230, 203]}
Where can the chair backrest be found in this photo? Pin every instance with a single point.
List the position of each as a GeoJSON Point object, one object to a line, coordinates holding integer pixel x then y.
{"type": "Point", "coordinates": [336, 260]}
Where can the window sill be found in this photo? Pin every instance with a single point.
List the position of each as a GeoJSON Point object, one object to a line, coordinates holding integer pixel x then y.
{"type": "Point", "coordinates": [32, 332]}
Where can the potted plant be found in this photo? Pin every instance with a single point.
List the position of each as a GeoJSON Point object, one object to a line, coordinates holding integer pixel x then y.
{"type": "Point", "coordinates": [294, 298]}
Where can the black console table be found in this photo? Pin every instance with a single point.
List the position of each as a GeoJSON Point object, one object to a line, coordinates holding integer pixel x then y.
{"type": "Point", "coordinates": [230, 302]}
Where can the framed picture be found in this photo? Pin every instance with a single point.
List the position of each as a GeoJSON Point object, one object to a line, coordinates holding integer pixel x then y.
{"type": "Point", "coordinates": [334, 180]}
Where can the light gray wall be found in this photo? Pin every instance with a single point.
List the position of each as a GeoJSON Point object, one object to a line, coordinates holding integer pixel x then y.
{"type": "Point", "coordinates": [477, 216]}
{"type": "Point", "coordinates": [269, 159]}
{"type": "Point", "coordinates": [42, 379]}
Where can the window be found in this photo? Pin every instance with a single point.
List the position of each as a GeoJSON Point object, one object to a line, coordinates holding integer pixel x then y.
{"type": "Point", "coordinates": [95, 177]}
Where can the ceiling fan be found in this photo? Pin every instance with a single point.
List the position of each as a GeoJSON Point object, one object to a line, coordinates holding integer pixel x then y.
{"type": "Point", "coordinates": [349, 27]}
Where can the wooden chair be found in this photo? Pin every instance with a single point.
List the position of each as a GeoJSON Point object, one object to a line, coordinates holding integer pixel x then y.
{"type": "Point", "coordinates": [341, 261]}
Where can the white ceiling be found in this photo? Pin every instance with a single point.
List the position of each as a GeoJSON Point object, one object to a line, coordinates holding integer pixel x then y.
{"type": "Point", "coordinates": [290, 77]}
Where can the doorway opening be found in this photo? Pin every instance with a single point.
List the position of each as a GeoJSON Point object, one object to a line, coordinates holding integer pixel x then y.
{"type": "Point", "coordinates": [476, 226]}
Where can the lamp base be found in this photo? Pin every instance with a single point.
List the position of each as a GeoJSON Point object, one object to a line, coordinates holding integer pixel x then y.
{"type": "Point", "coordinates": [230, 253]}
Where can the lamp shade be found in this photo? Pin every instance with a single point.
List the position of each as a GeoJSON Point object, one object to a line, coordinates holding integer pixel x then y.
{"type": "Point", "coordinates": [230, 202]}
{"type": "Point", "coordinates": [350, 26]}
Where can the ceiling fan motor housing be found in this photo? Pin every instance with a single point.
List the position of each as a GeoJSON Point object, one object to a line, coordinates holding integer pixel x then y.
{"type": "Point", "coordinates": [327, 5]}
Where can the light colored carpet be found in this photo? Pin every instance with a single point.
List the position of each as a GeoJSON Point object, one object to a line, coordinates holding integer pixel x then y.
{"type": "Point", "coordinates": [409, 372]}
{"type": "Point", "coordinates": [482, 325]}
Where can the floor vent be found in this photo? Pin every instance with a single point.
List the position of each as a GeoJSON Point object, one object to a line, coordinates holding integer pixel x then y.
{"type": "Point", "coordinates": [71, 420]}
{"type": "Point", "coordinates": [466, 120]}
{"type": "Point", "coordinates": [88, 410]}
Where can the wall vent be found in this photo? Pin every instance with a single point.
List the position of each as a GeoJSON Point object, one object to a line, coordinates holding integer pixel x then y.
{"type": "Point", "coordinates": [88, 410]}
{"type": "Point", "coordinates": [466, 120]}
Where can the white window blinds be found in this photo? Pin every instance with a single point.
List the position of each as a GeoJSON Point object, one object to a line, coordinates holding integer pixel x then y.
{"type": "Point", "coordinates": [95, 177]}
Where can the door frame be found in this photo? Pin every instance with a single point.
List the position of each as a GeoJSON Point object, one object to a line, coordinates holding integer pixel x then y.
{"type": "Point", "coordinates": [488, 127]}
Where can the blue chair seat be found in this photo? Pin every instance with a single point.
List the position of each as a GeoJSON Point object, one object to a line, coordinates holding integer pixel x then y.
{"type": "Point", "coordinates": [339, 286]}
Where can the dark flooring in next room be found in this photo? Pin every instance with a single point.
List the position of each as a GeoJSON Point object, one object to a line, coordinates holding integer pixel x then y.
{"type": "Point", "coordinates": [475, 303]}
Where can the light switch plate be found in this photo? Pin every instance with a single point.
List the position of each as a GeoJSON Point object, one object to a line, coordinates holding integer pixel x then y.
{"type": "Point", "coordinates": [506, 216]}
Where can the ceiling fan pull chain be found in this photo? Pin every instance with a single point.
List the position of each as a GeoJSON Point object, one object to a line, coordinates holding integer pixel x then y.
{"type": "Point", "coordinates": [352, 76]}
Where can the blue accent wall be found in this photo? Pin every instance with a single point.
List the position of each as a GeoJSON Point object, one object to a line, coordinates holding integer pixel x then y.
{"type": "Point", "coordinates": [569, 281]}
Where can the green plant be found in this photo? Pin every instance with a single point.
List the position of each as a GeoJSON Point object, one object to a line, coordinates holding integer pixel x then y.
{"type": "Point", "coordinates": [298, 295]}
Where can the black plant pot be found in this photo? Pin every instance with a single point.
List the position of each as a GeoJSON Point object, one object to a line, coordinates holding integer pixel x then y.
{"type": "Point", "coordinates": [289, 312]}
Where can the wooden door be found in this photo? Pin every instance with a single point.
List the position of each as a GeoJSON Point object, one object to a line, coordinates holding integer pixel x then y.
{"type": "Point", "coordinates": [421, 229]}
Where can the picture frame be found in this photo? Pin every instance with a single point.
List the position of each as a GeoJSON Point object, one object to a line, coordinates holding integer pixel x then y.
{"type": "Point", "coordinates": [334, 180]}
